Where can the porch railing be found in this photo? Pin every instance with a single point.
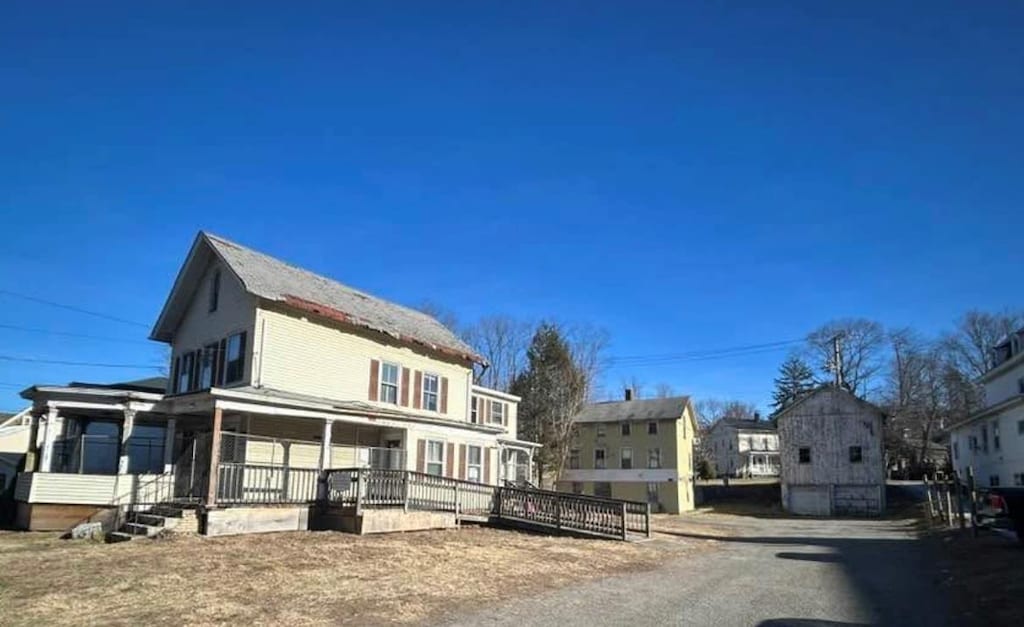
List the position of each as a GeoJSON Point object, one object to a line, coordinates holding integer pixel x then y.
{"type": "Point", "coordinates": [371, 488]}
{"type": "Point", "coordinates": [258, 484]}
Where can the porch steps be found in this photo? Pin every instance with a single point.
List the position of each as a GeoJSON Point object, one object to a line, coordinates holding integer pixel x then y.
{"type": "Point", "coordinates": [148, 524]}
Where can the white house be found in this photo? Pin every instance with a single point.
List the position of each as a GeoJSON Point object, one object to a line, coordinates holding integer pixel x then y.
{"type": "Point", "coordinates": [991, 442]}
{"type": "Point", "coordinates": [744, 448]}
{"type": "Point", "coordinates": [833, 461]}
{"type": "Point", "coordinates": [276, 374]}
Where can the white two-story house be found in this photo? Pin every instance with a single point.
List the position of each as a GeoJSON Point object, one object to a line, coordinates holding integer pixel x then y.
{"type": "Point", "coordinates": [991, 442]}
{"type": "Point", "coordinates": [275, 374]}
{"type": "Point", "coordinates": [744, 448]}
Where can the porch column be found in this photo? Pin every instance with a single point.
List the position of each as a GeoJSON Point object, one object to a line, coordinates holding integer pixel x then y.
{"type": "Point", "coordinates": [53, 424]}
{"type": "Point", "coordinates": [325, 445]}
{"type": "Point", "coordinates": [169, 446]}
{"type": "Point", "coordinates": [529, 467]}
{"type": "Point", "coordinates": [32, 454]}
{"type": "Point", "coordinates": [211, 488]}
{"type": "Point", "coordinates": [126, 432]}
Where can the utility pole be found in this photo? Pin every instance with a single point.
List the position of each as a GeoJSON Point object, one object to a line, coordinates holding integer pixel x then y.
{"type": "Point", "coordinates": [837, 360]}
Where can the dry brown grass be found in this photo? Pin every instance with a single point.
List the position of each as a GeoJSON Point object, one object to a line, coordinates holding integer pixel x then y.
{"type": "Point", "coordinates": [297, 578]}
{"type": "Point", "coordinates": [985, 577]}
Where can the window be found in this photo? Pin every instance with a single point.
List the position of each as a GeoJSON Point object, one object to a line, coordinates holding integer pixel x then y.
{"type": "Point", "coordinates": [804, 455]}
{"type": "Point", "coordinates": [764, 443]}
{"type": "Point", "coordinates": [435, 457]}
{"type": "Point", "coordinates": [652, 493]}
{"type": "Point", "coordinates": [185, 373]}
{"type": "Point", "coordinates": [474, 463]}
{"type": "Point", "coordinates": [208, 366]}
{"type": "Point", "coordinates": [599, 430]}
{"type": "Point", "coordinates": [577, 487]}
{"type": "Point", "coordinates": [625, 428]}
{"type": "Point", "coordinates": [652, 428]}
{"type": "Point", "coordinates": [599, 458]}
{"type": "Point", "coordinates": [654, 458]}
{"type": "Point", "coordinates": [574, 459]}
{"type": "Point", "coordinates": [235, 358]}
{"type": "Point", "coordinates": [995, 435]}
{"type": "Point", "coordinates": [603, 489]}
{"type": "Point", "coordinates": [1020, 385]}
{"type": "Point", "coordinates": [993, 481]}
{"type": "Point", "coordinates": [214, 291]}
{"type": "Point", "coordinates": [856, 455]}
{"type": "Point", "coordinates": [972, 442]}
{"type": "Point", "coordinates": [430, 390]}
{"type": "Point", "coordinates": [498, 412]}
{"type": "Point", "coordinates": [474, 413]}
{"type": "Point", "coordinates": [626, 458]}
{"type": "Point", "coordinates": [389, 383]}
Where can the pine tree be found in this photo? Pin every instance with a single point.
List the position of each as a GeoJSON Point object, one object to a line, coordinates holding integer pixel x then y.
{"type": "Point", "coordinates": [795, 378]}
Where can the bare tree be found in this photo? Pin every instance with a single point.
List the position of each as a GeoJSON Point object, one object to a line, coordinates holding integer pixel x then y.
{"type": "Point", "coordinates": [442, 314]}
{"type": "Point", "coordinates": [664, 390]}
{"type": "Point", "coordinates": [970, 344]}
{"type": "Point", "coordinates": [588, 344]}
{"type": "Point", "coordinates": [632, 383]}
{"type": "Point", "coordinates": [710, 411]}
{"type": "Point", "coordinates": [862, 346]}
{"type": "Point", "coordinates": [502, 341]}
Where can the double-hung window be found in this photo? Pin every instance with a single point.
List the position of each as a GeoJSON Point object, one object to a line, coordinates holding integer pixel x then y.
{"type": "Point", "coordinates": [474, 412]}
{"type": "Point", "coordinates": [654, 458]}
{"type": "Point", "coordinates": [652, 428]}
{"type": "Point", "coordinates": [574, 459]}
{"type": "Point", "coordinates": [498, 412]}
{"type": "Point", "coordinates": [185, 372]}
{"type": "Point", "coordinates": [430, 392]}
{"type": "Point", "coordinates": [208, 366]}
{"type": "Point", "coordinates": [856, 455]}
{"type": "Point", "coordinates": [389, 383]}
{"type": "Point", "coordinates": [625, 428]}
{"type": "Point", "coordinates": [626, 458]}
{"type": "Point", "coordinates": [235, 358]}
{"type": "Point", "coordinates": [474, 463]}
{"type": "Point", "coordinates": [435, 457]}
{"type": "Point", "coordinates": [599, 458]}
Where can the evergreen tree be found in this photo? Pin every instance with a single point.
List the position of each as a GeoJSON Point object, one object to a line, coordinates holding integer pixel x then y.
{"type": "Point", "coordinates": [552, 389]}
{"type": "Point", "coordinates": [795, 378]}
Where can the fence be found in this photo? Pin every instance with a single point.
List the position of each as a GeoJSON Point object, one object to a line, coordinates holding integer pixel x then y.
{"type": "Point", "coordinates": [373, 488]}
{"type": "Point", "coordinates": [265, 484]}
{"type": "Point", "coordinates": [945, 499]}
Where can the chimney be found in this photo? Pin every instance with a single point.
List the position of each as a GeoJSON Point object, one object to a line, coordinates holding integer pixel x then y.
{"type": "Point", "coordinates": [629, 394]}
{"type": "Point", "coordinates": [757, 416]}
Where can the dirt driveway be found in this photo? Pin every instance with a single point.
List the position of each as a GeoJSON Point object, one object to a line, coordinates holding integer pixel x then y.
{"type": "Point", "coordinates": [767, 571]}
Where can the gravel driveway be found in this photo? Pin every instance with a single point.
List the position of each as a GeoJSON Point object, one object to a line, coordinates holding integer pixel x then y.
{"type": "Point", "coordinates": [763, 571]}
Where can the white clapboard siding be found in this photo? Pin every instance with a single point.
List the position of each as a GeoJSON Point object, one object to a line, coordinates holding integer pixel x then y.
{"type": "Point", "coordinates": [95, 489]}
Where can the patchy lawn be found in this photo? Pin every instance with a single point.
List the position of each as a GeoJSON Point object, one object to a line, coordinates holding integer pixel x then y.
{"type": "Point", "coordinates": [985, 576]}
{"type": "Point", "coordinates": [298, 578]}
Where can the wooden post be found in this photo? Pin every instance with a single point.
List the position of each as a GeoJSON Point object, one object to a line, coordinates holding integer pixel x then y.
{"type": "Point", "coordinates": [928, 493]}
{"type": "Point", "coordinates": [456, 502]}
{"type": "Point", "coordinates": [169, 446]}
{"type": "Point", "coordinates": [359, 491]}
{"type": "Point", "coordinates": [949, 502]}
{"type": "Point", "coordinates": [405, 491]}
{"type": "Point", "coordinates": [128, 425]}
{"type": "Point", "coordinates": [971, 494]}
{"type": "Point", "coordinates": [623, 521]}
{"type": "Point", "coordinates": [497, 498]}
{"type": "Point", "coordinates": [558, 512]}
{"type": "Point", "coordinates": [49, 439]}
{"type": "Point", "coordinates": [211, 488]}
{"type": "Point", "coordinates": [648, 520]}
{"type": "Point", "coordinates": [325, 445]}
{"type": "Point", "coordinates": [959, 500]}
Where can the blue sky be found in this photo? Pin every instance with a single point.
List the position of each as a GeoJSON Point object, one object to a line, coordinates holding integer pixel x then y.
{"type": "Point", "coordinates": [687, 175]}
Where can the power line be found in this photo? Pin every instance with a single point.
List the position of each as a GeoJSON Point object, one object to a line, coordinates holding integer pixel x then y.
{"type": "Point", "coordinates": [15, 327]}
{"type": "Point", "coordinates": [51, 303]}
{"type": "Point", "coordinates": [702, 355]}
{"type": "Point", "coordinates": [59, 362]}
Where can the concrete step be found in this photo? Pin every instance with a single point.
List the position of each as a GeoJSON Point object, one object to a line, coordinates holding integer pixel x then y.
{"type": "Point", "coordinates": [148, 518]}
{"type": "Point", "coordinates": [166, 510]}
{"type": "Point", "coordinates": [120, 536]}
{"type": "Point", "coordinates": [138, 529]}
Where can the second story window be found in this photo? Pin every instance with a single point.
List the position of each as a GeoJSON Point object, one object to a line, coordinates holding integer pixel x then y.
{"type": "Point", "coordinates": [497, 412]}
{"type": "Point", "coordinates": [208, 366]}
{"type": "Point", "coordinates": [625, 428]}
{"type": "Point", "coordinates": [856, 455]}
{"type": "Point", "coordinates": [599, 458]}
{"type": "Point", "coordinates": [389, 383]}
{"type": "Point", "coordinates": [654, 458]}
{"type": "Point", "coordinates": [235, 358]}
{"type": "Point", "coordinates": [185, 372]}
{"type": "Point", "coordinates": [995, 435]}
{"type": "Point", "coordinates": [214, 291]}
{"type": "Point", "coordinates": [652, 428]}
{"type": "Point", "coordinates": [626, 458]}
{"type": "Point", "coordinates": [600, 430]}
{"type": "Point", "coordinates": [574, 459]}
{"type": "Point", "coordinates": [430, 388]}
{"type": "Point", "coordinates": [804, 455]}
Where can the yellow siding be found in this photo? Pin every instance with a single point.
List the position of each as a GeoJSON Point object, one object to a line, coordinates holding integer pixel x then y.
{"type": "Point", "coordinates": [14, 439]}
{"type": "Point", "coordinates": [96, 489]}
{"type": "Point", "coordinates": [305, 357]}
{"type": "Point", "coordinates": [456, 437]}
{"type": "Point", "coordinates": [236, 311]}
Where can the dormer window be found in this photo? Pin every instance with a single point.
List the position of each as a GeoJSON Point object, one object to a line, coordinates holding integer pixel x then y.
{"type": "Point", "coordinates": [214, 291]}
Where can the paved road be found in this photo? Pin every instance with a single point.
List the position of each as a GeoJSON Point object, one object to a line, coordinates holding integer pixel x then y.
{"type": "Point", "coordinates": [767, 572]}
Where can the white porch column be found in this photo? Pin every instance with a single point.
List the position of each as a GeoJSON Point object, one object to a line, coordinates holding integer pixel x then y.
{"type": "Point", "coordinates": [126, 432]}
{"type": "Point", "coordinates": [169, 446]}
{"type": "Point", "coordinates": [52, 428]}
{"type": "Point", "coordinates": [325, 445]}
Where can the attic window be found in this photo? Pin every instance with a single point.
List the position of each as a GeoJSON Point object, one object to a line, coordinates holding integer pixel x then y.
{"type": "Point", "coordinates": [214, 291]}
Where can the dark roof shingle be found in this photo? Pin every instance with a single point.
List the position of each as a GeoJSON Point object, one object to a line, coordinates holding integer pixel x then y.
{"type": "Point", "coordinates": [643, 409]}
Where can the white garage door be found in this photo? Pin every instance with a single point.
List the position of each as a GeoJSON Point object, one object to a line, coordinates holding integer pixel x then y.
{"type": "Point", "coordinates": [809, 500]}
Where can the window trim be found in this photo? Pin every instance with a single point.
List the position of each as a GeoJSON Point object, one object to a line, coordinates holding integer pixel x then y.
{"type": "Point", "coordinates": [859, 450]}
{"type": "Point", "coordinates": [500, 414]}
{"type": "Point", "coordinates": [654, 424]}
{"type": "Point", "coordinates": [604, 458]}
{"type": "Point", "coordinates": [426, 457]}
{"type": "Point", "coordinates": [479, 466]}
{"type": "Point", "coordinates": [474, 410]}
{"type": "Point", "coordinates": [623, 456]}
{"type": "Point", "coordinates": [654, 459]}
{"type": "Point", "coordinates": [800, 455]}
{"type": "Point", "coordinates": [436, 393]}
{"type": "Point", "coordinates": [241, 357]}
{"type": "Point", "coordinates": [381, 383]}
{"type": "Point", "coordinates": [574, 459]}
{"type": "Point", "coordinates": [625, 429]}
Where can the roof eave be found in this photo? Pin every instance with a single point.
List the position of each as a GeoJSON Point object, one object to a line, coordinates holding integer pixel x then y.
{"type": "Point", "coordinates": [163, 329]}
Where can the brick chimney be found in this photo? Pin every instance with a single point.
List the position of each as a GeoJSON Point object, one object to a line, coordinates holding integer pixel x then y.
{"type": "Point", "coordinates": [629, 394]}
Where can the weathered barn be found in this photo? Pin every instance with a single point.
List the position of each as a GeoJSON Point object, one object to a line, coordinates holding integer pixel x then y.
{"type": "Point", "coordinates": [833, 460]}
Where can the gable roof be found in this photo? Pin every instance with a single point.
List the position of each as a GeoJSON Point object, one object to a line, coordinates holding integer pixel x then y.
{"type": "Point", "coordinates": [643, 409]}
{"type": "Point", "coordinates": [271, 279]}
{"type": "Point", "coordinates": [767, 426]}
{"type": "Point", "coordinates": [829, 388]}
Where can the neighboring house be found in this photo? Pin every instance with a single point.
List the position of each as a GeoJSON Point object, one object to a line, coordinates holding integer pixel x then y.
{"type": "Point", "coordinates": [744, 448]}
{"type": "Point", "coordinates": [991, 442]}
{"type": "Point", "coordinates": [833, 460]}
{"type": "Point", "coordinates": [276, 373]}
{"type": "Point", "coordinates": [637, 450]}
{"type": "Point", "coordinates": [14, 433]}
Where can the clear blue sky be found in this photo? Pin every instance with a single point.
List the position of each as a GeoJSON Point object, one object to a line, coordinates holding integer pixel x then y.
{"type": "Point", "coordinates": [689, 176]}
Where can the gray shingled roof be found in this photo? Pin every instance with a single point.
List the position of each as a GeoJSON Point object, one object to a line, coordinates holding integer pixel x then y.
{"type": "Point", "coordinates": [643, 409]}
{"type": "Point", "coordinates": [275, 280]}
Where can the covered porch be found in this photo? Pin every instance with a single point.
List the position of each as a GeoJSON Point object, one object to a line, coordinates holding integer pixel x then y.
{"type": "Point", "coordinates": [762, 464]}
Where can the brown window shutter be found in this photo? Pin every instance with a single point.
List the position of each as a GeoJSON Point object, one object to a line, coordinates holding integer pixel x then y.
{"type": "Point", "coordinates": [450, 462]}
{"type": "Point", "coordinates": [405, 387]}
{"type": "Point", "coordinates": [504, 414]}
{"type": "Point", "coordinates": [485, 411]}
{"type": "Point", "coordinates": [463, 461]}
{"type": "Point", "coordinates": [444, 395]}
{"type": "Point", "coordinates": [421, 456]}
{"type": "Point", "coordinates": [375, 379]}
{"type": "Point", "coordinates": [486, 452]}
{"type": "Point", "coordinates": [417, 397]}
